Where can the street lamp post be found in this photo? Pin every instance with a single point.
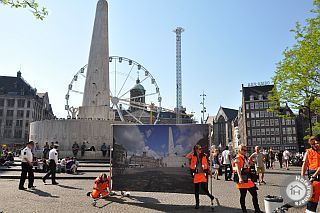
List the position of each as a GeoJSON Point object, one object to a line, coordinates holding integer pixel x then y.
{"type": "Point", "coordinates": [203, 107]}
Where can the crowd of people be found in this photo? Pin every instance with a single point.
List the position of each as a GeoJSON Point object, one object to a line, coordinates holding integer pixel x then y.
{"type": "Point", "coordinates": [263, 159]}
{"type": "Point", "coordinates": [49, 164]}
{"type": "Point", "coordinates": [247, 170]}
{"type": "Point", "coordinates": [6, 158]}
{"type": "Point", "coordinates": [68, 165]}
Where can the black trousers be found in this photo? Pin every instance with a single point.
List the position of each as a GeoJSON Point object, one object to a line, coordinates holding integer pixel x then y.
{"type": "Point", "coordinates": [280, 162]}
{"type": "Point", "coordinates": [204, 188]}
{"type": "Point", "coordinates": [267, 164]}
{"type": "Point", "coordinates": [227, 171]}
{"type": "Point", "coordinates": [104, 152]}
{"type": "Point", "coordinates": [52, 171]}
{"type": "Point", "coordinates": [26, 169]}
{"type": "Point", "coordinates": [312, 206]}
{"type": "Point", "coordinates": [254, 194]}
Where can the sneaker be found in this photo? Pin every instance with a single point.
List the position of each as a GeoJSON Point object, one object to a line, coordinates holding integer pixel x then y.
{"type": "Point", "coordinates": [88, 194]}
{"type": "Point", "coordinates": [263, 182]}
{"type": "Point", "coordinates": [22, 188]}
{"type": "Point", "coordinates": [55, 183]}
{"type": "Point", "coordinates": [32, 187]}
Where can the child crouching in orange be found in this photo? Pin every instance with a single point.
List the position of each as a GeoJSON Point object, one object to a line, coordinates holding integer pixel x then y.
{"type": "Point", "coordinates": [101, 186]}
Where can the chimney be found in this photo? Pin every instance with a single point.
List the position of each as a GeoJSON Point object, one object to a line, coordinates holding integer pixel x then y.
{"type": "Point", "coordinates": [19, 74]}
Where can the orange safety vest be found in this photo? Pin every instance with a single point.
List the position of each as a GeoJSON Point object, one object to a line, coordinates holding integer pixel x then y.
{"type": "Point", "coordinates": [99, 185]}
{"type": "Point", "coordinates": [243, 163]}
{"type": "Point", "coordinates": [193, 162]}
{"type": "Point", "coordinates": [199, 177]}
{"type": "Point", "coordinates": [313, 164]}
{"type": "Point", "coordinates": [313, 159]}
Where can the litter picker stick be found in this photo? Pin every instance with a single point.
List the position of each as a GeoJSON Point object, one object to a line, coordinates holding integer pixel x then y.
{"type": "Point", "coordinates": [110, 165]}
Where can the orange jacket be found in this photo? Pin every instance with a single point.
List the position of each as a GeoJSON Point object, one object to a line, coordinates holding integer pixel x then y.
{"type": "Point", "coordinates": [99, 185]}
{"type": "Point", "coordinates": [243, 164]}
{"type": "Point", "coordinates": [199, 177]}
{"type": "Point", "coordinates": [313, 159]}
{"type": "Point", "coordinates": [193, 162]}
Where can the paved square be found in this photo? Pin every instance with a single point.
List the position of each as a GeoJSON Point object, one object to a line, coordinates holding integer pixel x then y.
{"type": "Point", "coordinates": [70, 196]}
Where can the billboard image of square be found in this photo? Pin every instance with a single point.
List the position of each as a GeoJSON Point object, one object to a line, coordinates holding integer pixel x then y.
{"type": "Point", "coordinates": [152, 158]}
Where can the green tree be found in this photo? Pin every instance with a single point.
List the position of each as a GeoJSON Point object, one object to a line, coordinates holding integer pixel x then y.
{"type": "Point", "coordinates": [316, 129]}
{"type": "Point", "coordinates": [38, 12]}
{"type": "Point", "coordinates": [297, 78]}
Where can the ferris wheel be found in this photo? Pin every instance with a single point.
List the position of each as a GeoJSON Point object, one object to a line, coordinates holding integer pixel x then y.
{"type": "Point", "coordinates": [134, 92]}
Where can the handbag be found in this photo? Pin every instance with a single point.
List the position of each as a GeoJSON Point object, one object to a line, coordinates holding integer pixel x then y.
{"type": "Point", "coordinates": [244, 175]}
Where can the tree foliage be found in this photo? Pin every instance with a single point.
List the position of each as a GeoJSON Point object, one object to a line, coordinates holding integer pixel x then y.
{"type": "Point", "coordinates": [316, 129]}
{"type": "Point", "coordinates": [297, 78]}
{"type": "Point", "coordinates": [38, 12]}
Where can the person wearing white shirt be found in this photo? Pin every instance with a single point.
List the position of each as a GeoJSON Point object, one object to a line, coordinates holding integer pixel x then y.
{"type": "Point", "coordinates": [286, 158]}
{"type": "Point", "coordinates": [53, 161]}
{"type": "Point", "coordinates": [26, 164]}
{"type": "Point", "coordinates": [226, 161]}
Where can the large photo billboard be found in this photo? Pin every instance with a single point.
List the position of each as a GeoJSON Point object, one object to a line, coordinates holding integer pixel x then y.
{"type": "Point", "coordinates": [152, 157]}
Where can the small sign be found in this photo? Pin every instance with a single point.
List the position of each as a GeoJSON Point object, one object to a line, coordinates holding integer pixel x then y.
{"type": "Point", "coordinates": [255, 84]}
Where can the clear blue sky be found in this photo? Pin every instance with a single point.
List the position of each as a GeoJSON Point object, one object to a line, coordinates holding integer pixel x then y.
{"type": "Point", "coordinates": [226, 43]}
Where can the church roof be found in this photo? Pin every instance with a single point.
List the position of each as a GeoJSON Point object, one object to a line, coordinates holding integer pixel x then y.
{"type": "Point", "coordinates": [15, 86]}
{"type": "Point", "coordinates": [138, 86]}
{"type": "Point", "coordinates": [230, 113]}
{"type": "Point", "coordinates": [227, 113]}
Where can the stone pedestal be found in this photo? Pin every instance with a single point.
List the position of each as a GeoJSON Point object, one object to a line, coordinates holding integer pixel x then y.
{"type": "Point", "coordinates": [66, 132]}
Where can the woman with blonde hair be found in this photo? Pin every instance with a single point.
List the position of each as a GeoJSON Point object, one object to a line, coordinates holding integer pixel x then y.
{"type": "Point", "coordinates": [199, 169]}
{"type": "Point", "coordinates": [243, 179]}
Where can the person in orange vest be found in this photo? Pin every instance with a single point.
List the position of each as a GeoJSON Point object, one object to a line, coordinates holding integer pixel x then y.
{"type": "Point", "coordinates": [311, 163]}
{"type": "Point", "coordinates": [315, 175]}
{"type": "Point", "coordinates": [199, 169]}
{"type": "Point", "coordinates": [101, 187]}
{"type": "Point", "coordinates": [241, 168]}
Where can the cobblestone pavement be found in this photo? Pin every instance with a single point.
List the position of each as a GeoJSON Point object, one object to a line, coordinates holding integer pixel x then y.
{"type": "Point", "coordinates": [70, 196]}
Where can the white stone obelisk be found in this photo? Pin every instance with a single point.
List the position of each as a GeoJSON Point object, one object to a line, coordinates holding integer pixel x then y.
{"type": "Point", "coordinates": [96, 98]}
{"type": "Point", "coordinates": [96, 127]}
{"type": "Point", "coordinates": [170, 143]}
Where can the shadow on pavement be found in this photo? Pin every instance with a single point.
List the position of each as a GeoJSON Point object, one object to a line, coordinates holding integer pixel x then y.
{"type": "Point", "coordinates": [144, 199]}
{"type": "Point", "coordinates": [154, 204]}
{"type": "Point", "coordinates": [69, 187]}
{"type": "Point", "coordinates": [42, 193]}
